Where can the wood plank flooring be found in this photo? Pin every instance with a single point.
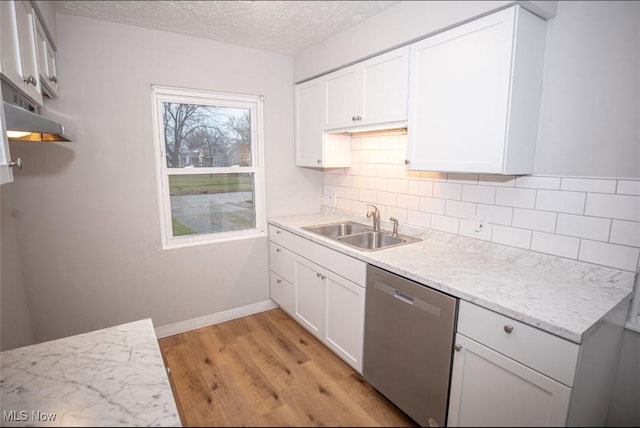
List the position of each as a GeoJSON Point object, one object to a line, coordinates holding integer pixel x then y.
{"type": "Point", "coordinates": [266, 370]}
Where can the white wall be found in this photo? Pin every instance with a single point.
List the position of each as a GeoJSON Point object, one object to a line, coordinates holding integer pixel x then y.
{"type": "Point", "coordinates": [15, 325]}
{"type": "Point", "coordinates": [87, 211]}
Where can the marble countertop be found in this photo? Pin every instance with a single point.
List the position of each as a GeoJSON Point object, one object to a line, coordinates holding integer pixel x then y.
{"type": "Point", "coordinates": [561, 296]}
{"type": "Point", "coordinates": [109, 377]}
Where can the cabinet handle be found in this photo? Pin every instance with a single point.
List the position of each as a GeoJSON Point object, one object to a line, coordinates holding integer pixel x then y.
{"type": "Point", "coordinates": [318, 274]}
{"type": "Point", "coordinates": [458, 348]}
{"type": "Point", "coordinates": [277, 250]}
{"type": "Point", "coordinates": [323, 277]}
{"type": "Point", "coordinates": [17, 163]}
{"type": "Point", "coordinates": [353, 118]}
{"type": "Point", "coordinates": [30, 81]}
{"type": "Point", "coordinates": [508, 329]}
{"type": "Point", "coordinates": [407, 161]}
{"type": "Point", "coordinates": [278, 281]}
{"type": "Point", "coordinates": [358, 117]}
{"type": "Point", "coordinates": [319, 160]}
{"type": "Point", "coordinates": [54, 79]}
{"type": "Point", "coordinates": [277, 232]}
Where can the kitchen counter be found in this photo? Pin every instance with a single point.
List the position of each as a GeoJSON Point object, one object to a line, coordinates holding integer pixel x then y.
{"type": "Point", "coordinates": [109, 377]}
{"type": "Point", "coordinates": [561, 296]}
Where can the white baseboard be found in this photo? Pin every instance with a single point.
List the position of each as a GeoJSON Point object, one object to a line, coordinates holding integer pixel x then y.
{"type": "Point", "coordinates": [218, 317]}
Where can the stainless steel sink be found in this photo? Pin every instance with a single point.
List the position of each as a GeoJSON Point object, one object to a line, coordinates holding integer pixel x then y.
{"type": "Point", "coordinates": [369, 241]}
{"type": "Point", "coordinates": [360, 236]}
{"type": "Point", "coordinates": [337, 230]}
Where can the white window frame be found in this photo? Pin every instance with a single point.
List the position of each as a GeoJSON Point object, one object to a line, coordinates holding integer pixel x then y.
{"type": "Point", "coordinates": [161, 94]}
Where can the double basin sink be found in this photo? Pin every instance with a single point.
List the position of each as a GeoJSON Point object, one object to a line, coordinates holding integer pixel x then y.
{"type": "Point", "coordinates": [360, 236]}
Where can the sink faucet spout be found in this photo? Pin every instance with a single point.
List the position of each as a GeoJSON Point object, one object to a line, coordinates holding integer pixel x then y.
{"type": "Point", "coordinates": [374, 213]}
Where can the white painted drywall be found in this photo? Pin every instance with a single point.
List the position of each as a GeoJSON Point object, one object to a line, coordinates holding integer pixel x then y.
{"type": "Point", "coordinates": [87, 211]}
{"type": "Point", "coordinates": [15, 325]}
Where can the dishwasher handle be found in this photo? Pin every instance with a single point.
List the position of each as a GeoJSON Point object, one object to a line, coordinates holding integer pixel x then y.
{"type": "Point", "coordinates": [404, 297]}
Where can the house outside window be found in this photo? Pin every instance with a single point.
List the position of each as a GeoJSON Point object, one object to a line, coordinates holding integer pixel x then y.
{"type": "Point", "coordinates": [209, 151]}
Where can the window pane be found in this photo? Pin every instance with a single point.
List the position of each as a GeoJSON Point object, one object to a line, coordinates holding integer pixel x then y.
{"type": "Point", "coordinates": [200, 136]}
{"type": "Point", "coordinates": [211, 203]}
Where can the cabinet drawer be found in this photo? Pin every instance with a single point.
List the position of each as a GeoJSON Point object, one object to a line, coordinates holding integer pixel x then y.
{"type": "Point", "coordinates": [280, 236]}
{"type": "Point", "coordinates": [281, 261]}
{"type": "Point", "coordinates": [282, 292]}
{"type": "Point", "coordinates": [541, 351]}
{"type": "Point", "coordinates": [346, 266]}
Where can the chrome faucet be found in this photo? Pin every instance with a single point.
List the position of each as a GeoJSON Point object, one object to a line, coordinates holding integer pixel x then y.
{"type": "Point", "coordinates": [395, 225]}
{"type": "Point", "coordinates": [375, 213]}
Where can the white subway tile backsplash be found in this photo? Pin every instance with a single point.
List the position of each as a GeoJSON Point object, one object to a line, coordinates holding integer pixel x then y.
{"type": "Point", "coordinates": [613, 206]}
{"type": "Point", "coordinates": [420, 188]}
{"type": "Point", "coordinates": [584, 227]}
{"type": "Point", "coordinates": [432, 205]}
{"type": "Point", "coordinates": [398, 185]}
{"type": "Point", "coordinates": [459, 209]}
{"type": "Point", "coordinates": [618, 256]}
{"type": "Point", "coordinates": [419, 218]}
{"type": "Point", "coordinates": [481, 194]}
{"type": "Point", "coordinates": [386, 198]}
{"type": "Point", "coordinates": [550, 183]}
{"type": "Point", "coordinates": [514, 197]}
{"type": "Point", "coordinates": [377, 183]}
{"type": "Point", "coordinates": [445, 224]}
{"type": "Point", "coordinates": [447, 190]}
{"type": "Point", "coordinates": [543, 221]}
{"type": "Point", "coordinates": [589, 185]}
{"type": "Point", "coordinates": [595, 220]}
{"type": "Point", "coordinates": [564, 202]}
{"type": "Point", "coordinates": [563, 246]}
{"type": "Point", "coordinates": [512, 236]}
{"type": "Point", "coordinates": [495, 214]}
{"type": "Point", "coordinates": [411, 202]}
{"type": "Point", "coordinates": [625, 232]}
{"type": "Point", "coordinates": [626, 187]}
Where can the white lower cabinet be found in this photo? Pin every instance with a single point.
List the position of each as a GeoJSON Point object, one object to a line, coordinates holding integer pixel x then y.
{"type": "Point", "coordinates": [489, 389]}
{"type": "Point", "coordinates": [507, 373]}
{"type": "Point", "coordinates": [325, 293]}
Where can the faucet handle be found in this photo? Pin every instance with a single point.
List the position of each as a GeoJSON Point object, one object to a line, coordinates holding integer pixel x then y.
{"type": "Point", "coordinates": [395, 225]}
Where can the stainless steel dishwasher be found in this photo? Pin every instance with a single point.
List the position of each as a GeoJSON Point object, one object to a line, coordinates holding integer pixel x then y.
{"type": "Point", "coordinates": [408, 343]}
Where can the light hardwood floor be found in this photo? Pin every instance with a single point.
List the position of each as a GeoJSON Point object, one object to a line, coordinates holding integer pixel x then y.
{"type": "Point", "coordinates": [266, 370]}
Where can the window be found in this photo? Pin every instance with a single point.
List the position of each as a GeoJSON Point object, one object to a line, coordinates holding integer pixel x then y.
{"type": "Point", "coordinates": [210, 165]}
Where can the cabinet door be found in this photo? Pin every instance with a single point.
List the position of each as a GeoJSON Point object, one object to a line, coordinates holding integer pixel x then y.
{"type": "Point", "coordinates": [11, 63]}
{"type": "Point", "coordinates": [489, 389]}
{"type": "Point", "coordinates": [282, 292]}
{"type": "Point", "coordinates": [309, 295]}
{"type": "Point", "coordinates": [459, 97]}
{"type": "Point", "coordinates": [27, 43]}
{"type": "Point", "coordinates": [344, 319]}
{"type": "Point", "coordinates": [6, 174]}
{"type": "Point", "coordinates": [309, 133]}
{"type": "Point", "coordinates": [385, 87]}
{"type": "Point", "coordinates": [344, 98]}
{"type": "Point", "coordinates": [46, 63]}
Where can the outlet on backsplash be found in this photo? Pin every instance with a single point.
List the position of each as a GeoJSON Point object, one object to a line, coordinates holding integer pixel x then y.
{"type": "Point", "coordinates": [477, 227]}
{"type": "Point", "coordinates": [330, 199]}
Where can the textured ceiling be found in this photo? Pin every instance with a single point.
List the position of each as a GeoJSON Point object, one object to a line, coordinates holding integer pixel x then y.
{"type": "Point", "coordinates": [285, 27]}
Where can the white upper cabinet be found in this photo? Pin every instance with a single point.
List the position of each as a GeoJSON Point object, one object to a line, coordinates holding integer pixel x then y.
{"type": "Point", "coordinates": [314, 148]}
{"type": "Point", "coordinates": [46, 63]}
{"type": "Point", "coordinates": [19, 58]}
{"type": "Point", "coordinates": [475, 95]}
{"type": "Point", "coordinates": [370, 94]}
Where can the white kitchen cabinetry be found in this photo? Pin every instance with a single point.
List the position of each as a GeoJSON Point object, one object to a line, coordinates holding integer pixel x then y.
{"type": "Point", "coordinates": [475, 95]}
{"type": "Point", "coordinates": [371, 93]}
{"type": "Point", "coordinates": [281, 265]}
{"type": "Point", "coordinates": [46, 63]}
{"type": "Point", "coordinates": [6, 174]}
{"type": "Point", "coordinates": [328, 293]}
{"type": "Point", "coordinates": [507, 373]}
{"type": "Point", "coordinates": [313, 147]}
{"type": "Point", "coordinates": [19, 63]}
